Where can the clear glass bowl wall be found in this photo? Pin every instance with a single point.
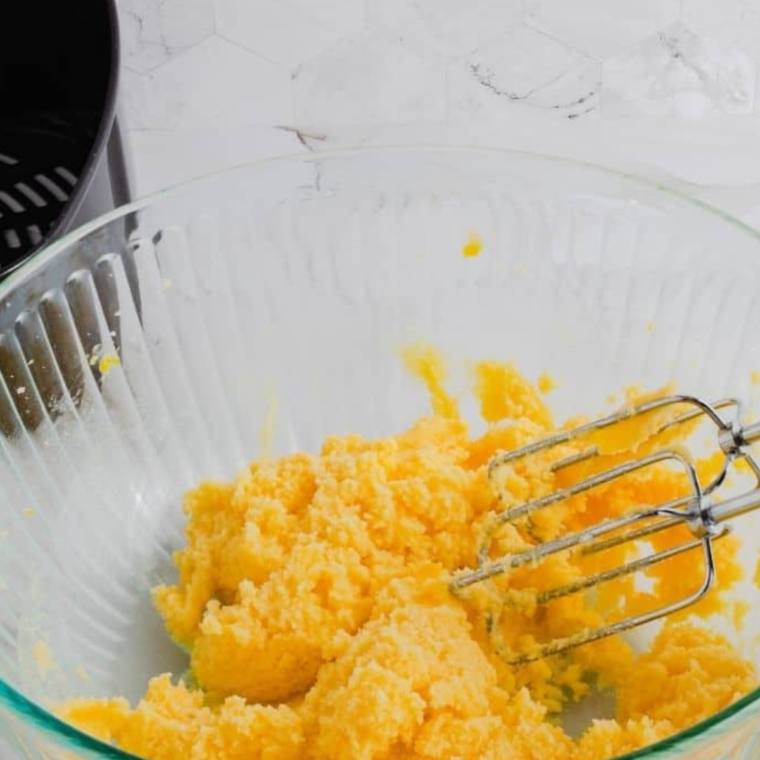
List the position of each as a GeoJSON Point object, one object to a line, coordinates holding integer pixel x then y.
{"type": "Point", "coordinates": [294, 283]}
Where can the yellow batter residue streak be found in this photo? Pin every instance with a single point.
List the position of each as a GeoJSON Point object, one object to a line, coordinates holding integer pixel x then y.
{"type": "Point", "coordinates": [754, 377]}
{"type": "Point", "coordinates": [43, 657]}
{"type": "Point", "coordinates": [267, 432]}
{"type": "Point", "coordinates": [107, 363]}
{"type": "Point", "coordinates": [313, 597]}
{"type": "Point", "coordinates": [427, 364]}
{"type": "Point", "coordinates": [472, 247]}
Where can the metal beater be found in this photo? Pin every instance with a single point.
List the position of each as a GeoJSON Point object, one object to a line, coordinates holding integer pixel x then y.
{"type": "Point", "coordinates": [698, 509]}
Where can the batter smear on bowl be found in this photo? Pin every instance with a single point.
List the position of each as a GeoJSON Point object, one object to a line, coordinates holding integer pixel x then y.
{"type": "Point", "coordinates": [313, 597]}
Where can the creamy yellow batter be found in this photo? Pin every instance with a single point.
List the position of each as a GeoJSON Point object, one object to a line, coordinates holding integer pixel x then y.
{"type": "Point", "coordinates": [313, 597]}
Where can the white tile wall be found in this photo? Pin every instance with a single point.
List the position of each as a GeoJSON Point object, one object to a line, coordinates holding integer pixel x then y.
{"type": "Point", "coordinates": [737, 22]}
{"type": "Point", "coordinates": [215, 82]}
{"type": "Point", "coordinates": [523, 70]}
{"type": "Point", "coordinates": [649, 84]}
{"type": "Point", "coordinates": [678, 73]}
{"type": "Point", "coordinates": [152, 32]}
{"type": "Point", "coordinates": [369, 79]}
{"type": "Point", "coordinates": [602, 28]}
{"type": "Point", "coordinates": [288, 32]}
{"type": "Point", "coordinates": [444, 27]}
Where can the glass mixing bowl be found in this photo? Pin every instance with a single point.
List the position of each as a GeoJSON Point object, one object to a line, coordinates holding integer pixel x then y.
{"type": "Point", "coordinates": [141, 354]}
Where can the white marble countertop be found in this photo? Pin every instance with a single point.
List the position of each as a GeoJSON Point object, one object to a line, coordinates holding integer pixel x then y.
{"type": "Point", "coordinates": [667, 88]}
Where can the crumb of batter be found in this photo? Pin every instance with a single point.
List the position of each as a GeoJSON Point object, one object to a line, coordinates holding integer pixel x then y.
{"type": "Point", "coordinates": [473, 246]}
{"type": "Point", "coordinates": [107, 363]}
{"type": "Point", "coordinates": [546, 383]}
{"type": "Point", "coordinates": [313, 597]}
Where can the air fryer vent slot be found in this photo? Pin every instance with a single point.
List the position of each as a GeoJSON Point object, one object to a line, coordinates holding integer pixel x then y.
{"type": "Point", "coordinates": [40, 159]}
{"type": "Point", "coordinates": [55, 190]}
{"type": "Point", "coordinates": [33, 196]}
{"type": "Point", "coordinates": [12, 239]}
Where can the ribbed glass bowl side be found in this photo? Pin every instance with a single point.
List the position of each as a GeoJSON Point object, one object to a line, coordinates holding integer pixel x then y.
{"type": "Point", "coordinates": [263, 309]}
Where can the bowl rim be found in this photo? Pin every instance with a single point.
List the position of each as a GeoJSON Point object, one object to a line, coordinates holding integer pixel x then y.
{"type": "Point", "coordinates": [30, 711]}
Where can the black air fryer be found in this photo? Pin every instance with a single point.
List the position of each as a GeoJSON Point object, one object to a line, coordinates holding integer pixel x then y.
{"type": "Point", "coordinates": [62, 157]}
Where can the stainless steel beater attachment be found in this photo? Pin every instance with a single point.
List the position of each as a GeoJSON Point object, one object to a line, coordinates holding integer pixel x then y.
{"type": "Point", "coordinates": [698, 509]}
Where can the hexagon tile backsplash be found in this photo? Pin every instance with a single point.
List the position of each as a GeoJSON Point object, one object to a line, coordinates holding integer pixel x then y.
{"type": "Point", "coordinates": [666, 86]}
